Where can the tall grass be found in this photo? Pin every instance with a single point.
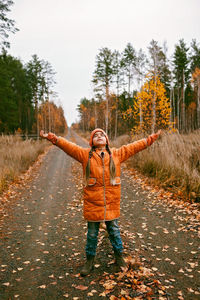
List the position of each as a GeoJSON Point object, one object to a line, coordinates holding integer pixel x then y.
{"type": "Point", "coordinates": [173, 162]}
{"type": "Point", "coordinates": [16, 156]}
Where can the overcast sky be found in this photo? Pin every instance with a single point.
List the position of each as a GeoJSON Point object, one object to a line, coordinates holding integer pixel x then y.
{"type": "Point", "coordinates": [69, 34]}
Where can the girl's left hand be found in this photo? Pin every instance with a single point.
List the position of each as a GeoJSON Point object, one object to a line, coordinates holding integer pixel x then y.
{"type": "Point", "coordinates": [153, 137]}
{"type": "Point", "coordinates": [159, 132]}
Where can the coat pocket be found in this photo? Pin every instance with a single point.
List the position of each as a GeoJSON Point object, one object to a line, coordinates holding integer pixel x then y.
{"type": "Point", "coordinates": [116, 181]}
{"type": "Point", "coordinates": [91, 181]}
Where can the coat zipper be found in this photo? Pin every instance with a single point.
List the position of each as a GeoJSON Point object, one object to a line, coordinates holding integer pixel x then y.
{"type": "Point", "coordinates": [104, 187]}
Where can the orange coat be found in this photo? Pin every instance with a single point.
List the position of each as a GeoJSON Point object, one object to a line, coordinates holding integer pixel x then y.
{"type": "Point", "coordinates": [101, 199]}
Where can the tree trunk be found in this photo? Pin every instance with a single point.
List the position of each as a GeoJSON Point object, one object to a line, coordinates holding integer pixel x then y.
{"type": "Point", "coordinates": [171, 107]}
{"type": "Point", "coordinates": [107, 106]}
{"type": "Point", "coordinates": [49, 110]}
{"type": "Point", "coordinates": [178, 112]}
{"type": "Point", "coordinates": [129, 84]}
{"type": "Point", "coordinates": [198, 102]}
{"type": "Point", "coordinates": [37, 121]}
{"type": "Point", "coordinates": [116, 112]}
{"type": "Point", "coordinates": [174, 109]}
{"type": "Point", "coordinates": [95, 114]}
{"type": "Point", "coordinates": [154, 108]}
{"type": "Point", "coordinates": [116, 117]}
{"type": "Point", "coordinates": [183, 106]}
{"type": "Point", "coordinates": [141, 119]}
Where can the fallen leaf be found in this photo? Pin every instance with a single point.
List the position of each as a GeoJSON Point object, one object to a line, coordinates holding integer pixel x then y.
{"type": "Point", "coordinates": [81, 287]}
{"type": "Point", "coordinates": [180, 293]}
{"type": "Point", "coordinates": [6, 283]}
{"type": "Point", "coordinates": [109, 284]}
{"type": "Point", "coordinates": [112, 297]}
{"type": "Point", "coordinates": [192, 265]}
{"type": "Point", "coordinates": [181, 271]}
{"type": "Point", "coordinates": [103, 294]}
{"type": "Point", "coordinates": [42, 286]}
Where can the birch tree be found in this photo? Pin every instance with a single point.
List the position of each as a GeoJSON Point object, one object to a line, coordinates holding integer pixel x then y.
{"type": "Point", "coordinates": [157, 67]}
{"type": "Point", "coordinates": [118, 83]}
{"type": "Point", "coordinates": [140, 64]}
{"type": "Point", "coordinates": [151, 99]}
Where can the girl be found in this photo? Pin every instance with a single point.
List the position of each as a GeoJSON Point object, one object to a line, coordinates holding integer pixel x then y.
{"type": "Point", "coordinates": [102, 191]}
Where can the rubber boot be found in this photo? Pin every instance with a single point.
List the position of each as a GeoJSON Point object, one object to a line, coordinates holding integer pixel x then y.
{"type": "Point", "coordinates": [88, 266]}
{"type": "Point", "coordinates": [119, 260]}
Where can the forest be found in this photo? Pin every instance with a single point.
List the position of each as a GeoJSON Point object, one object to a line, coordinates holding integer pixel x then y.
{"type": "Point", "coordinates": [27, 99]}
{"type": "Point", "coordinates": [25, 91]}
{"type": "Point", "coordinates": [135, 90]}
{"type": "Point", "coordinates": [142, 91]}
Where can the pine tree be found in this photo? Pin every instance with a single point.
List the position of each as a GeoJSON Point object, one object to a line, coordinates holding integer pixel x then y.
{"type": "Point", "coordinates": [194, 56]}
{"type": "Point", "coordinates": [16, 110]}
{"type": "Point", "coordinates": [128, 63]}
{"type": "Point", "coordinates": [6, 25]}
{"type": "Point", "coordinates": [103, 75]}
{"type": "Point", "coordinates": [40, 76]}
{"type": "Point", "coordinates": [181, 77]}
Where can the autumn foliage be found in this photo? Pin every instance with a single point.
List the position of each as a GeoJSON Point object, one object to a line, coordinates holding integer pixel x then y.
{"type": "Point", "coordinates": [51, 118]}
{"type": "Point", "coordinates": [151, 108]}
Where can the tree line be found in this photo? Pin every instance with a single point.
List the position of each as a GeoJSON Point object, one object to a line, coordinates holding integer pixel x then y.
{"type": "Point", "coordinates": [25, 89]}
{"type": "Point", "coordinates": [139, 91]}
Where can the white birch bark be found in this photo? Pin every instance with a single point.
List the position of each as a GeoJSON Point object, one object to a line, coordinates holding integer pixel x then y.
{"type": "Point", "coordinates": [107, 107]}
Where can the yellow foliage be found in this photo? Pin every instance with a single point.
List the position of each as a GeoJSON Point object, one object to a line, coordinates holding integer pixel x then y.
{"type": "Point", "coordinates": [196, 74]}
{"type": "Point", "coordinates": [151, 105]}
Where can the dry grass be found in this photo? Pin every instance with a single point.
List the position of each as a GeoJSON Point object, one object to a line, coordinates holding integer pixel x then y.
{"type": "Point", "coordinates": [16, 156]}
{"type": "Point", "coordinates": [173, 162]}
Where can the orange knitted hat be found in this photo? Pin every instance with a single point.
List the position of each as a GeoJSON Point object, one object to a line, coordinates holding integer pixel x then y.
{"type": "Point", "coordinates": [93, 133]}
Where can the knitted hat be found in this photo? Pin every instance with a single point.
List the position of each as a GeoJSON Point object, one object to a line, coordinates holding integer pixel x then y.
{"type": "Point", "coordinates": [93, 133]}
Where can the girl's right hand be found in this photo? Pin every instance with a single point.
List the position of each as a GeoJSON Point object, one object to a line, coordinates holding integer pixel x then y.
{"type": "Point", "coordinates": [49, 136]}
{"type": "Point", "coordinates": [43, 135]}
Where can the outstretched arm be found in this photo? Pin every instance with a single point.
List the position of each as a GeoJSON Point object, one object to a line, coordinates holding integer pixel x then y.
{"type": "Point", "coordinates": [70, 148]}
{"type": "Point", "coordinates": [127, 151]}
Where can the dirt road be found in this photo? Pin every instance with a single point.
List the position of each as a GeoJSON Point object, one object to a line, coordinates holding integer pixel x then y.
{"type": "Point", "coordinates": [43, 237]}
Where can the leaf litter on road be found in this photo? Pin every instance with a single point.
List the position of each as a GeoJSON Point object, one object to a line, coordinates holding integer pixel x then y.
{"type": "Point", "coordinates": [54, 232]}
